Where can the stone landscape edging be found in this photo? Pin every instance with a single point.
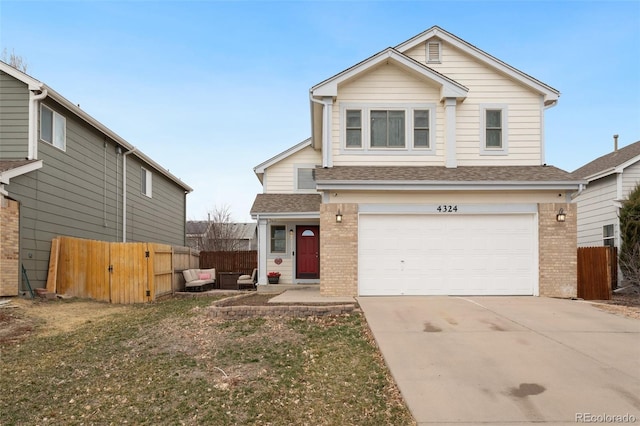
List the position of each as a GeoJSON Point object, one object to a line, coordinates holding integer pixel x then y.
{"type": "Point", "coordinates": [218, 310]}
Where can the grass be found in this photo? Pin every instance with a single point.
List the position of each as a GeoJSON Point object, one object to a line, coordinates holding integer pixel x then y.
{"type": "Point", "coordinates": [169, 363]}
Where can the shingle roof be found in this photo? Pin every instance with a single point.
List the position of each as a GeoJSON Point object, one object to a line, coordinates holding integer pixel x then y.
{"type": "Point", "coordinates": [286, 203]}
{"type": "Point", "coordinates": [6, 165]}
{"type": "Point", "coordinates": [444, 174]}
{"type": "Point", "coordinates": [608, 161]}
{"type": "Point", "coordinates": [197, 227]}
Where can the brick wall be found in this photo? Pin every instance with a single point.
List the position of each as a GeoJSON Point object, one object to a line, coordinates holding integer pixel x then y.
{"type": "Point", "coordinates": [558, 245]}
{"type": "Point", "coordinates": [339, 250]}
{"type": "Point", "coordinates": [9, 247]}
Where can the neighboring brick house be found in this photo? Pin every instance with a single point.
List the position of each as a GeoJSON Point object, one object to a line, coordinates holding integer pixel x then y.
{"type": "Point", "coordinates": [63, 173]}
{"type": "Point", "coordinates": [424, 175]}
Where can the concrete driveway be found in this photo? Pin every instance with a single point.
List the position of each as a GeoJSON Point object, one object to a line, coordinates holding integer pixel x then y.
{"type": "Point", "coordinates": [508, 360]}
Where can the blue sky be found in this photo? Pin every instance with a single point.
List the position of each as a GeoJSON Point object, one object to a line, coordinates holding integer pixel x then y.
{"type": "Point", "coordinates": [210, 89]}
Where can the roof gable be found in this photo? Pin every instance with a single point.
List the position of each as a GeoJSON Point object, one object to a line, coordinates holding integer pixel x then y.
{"type": "Point", "coordinates": [449, 87]}
{"type": "Point", "coordinates": [260, 168]}
{"type": "Point", "coordinates": [550, 94]}
{"type": "Point", "coordinates": [607, 164]}
{"type": "Point", "coordinates": [19, 75]}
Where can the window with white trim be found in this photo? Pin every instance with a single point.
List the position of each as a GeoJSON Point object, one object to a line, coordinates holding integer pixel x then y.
{"type": "Point", "coordinates": [421, 128]}
{"type": "Point", "coordinates": [608, 236]}
{"type": "Point", "coordinates": [382, 128]}
{"type": "Point", "coordinates": [387, 129]}
{"type": "Point", "coordinates": [305, 179]}
{"type": "Point", "coordinates": [354, 128]}
{"type": "Point", "coordinates": [53, 127]}
{"type": "Point", "coordinates": [493, 129]}
{"type": "Point", "coordinates": [278, 239]}
{"type": "Point", "coordinates": [145, 181]}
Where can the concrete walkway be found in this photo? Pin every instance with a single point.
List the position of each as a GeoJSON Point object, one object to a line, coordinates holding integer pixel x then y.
{"type": "Point", "coordinates": [308, 295]}
{"type": "Point", "coordinates": [508, 360]}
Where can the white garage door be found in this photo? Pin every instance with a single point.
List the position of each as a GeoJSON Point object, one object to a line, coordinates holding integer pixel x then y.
{"type": "Point", "coordinates": [447, 255]}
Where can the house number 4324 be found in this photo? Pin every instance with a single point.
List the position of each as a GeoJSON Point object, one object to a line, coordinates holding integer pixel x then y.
{"type": "Point", "coordinates": [447, 209]}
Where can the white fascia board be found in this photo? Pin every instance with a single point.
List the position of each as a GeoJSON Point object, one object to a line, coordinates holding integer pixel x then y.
{"type": "Point", "coordinates": [445, 186]}
{"type": "Point", "coordinates": [551, 95]}
{"type": "Point", "coordinates": [613, 170]}
{"type": "Point", "coordinates": [450, 88]}
{"type": "Point", "coordinates": [260, 168]}
{"type": "Point", "coordinates": [113, 136]}
{"type": "Point", "coordinates": [288, 215]}
{"type": "Point", "coordinates": [6, 176]}
{"type": "Point", "coordinates": [31, 82]}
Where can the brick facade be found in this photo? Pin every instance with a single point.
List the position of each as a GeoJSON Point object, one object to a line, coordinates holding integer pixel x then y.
{"type": "Point", "coordinates": [558, 248]}
{"type": "Point", "coordinates": [339, 250]}
{"type": "Point", "coordinates": [9, 247]}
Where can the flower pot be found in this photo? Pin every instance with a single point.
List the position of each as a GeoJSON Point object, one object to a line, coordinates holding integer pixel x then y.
{"type": "Point", "coordinates": [273, 280]}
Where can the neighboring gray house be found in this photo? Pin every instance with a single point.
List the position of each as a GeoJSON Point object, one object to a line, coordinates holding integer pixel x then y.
{"type": "Point", "coordinates": [205, 235]}
{"type": "Point", "coordinates": [610, 179]}
{"type": "Point", "coordinates": [64, 173]}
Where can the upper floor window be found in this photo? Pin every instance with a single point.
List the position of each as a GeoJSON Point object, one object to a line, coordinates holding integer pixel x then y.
{"type": "Point", "coordinates": [304, 179]}
{"type": "Point", "coordinates": [389, 129]}
{"type": "Point", "coordinates": [493, 129]}
{"type": "Point", "coordinates": [354, 128]}
{"type": "Point", "coordinates": [53, 127]}
{"type": "Point", "coordinates": [145, 180]}
{"type": "Point", "coordinates": [421, 128]}
{"type": "Point", "coordinates": [278, 239]}
{"type": "Point", "coordinates": [608, 236]}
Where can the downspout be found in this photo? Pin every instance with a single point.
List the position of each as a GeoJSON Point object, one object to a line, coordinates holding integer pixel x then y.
{"type": "Point", "coordinates": [543, 152]}
{"type": "Point", "coordinates": [124, 193]}
{"type": "Point", "coordinates": [33, 123]}
{"type": "Point", "coordinates": [326, 129]}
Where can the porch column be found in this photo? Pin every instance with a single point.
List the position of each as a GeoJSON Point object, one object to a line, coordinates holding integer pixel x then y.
{"type": "Point", "coordinates": [263, 240]}
{"type": "Point", "coordinates": [450, 133]}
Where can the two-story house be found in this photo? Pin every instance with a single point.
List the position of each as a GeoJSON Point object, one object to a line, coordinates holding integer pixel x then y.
{"type": "Point", "coordinates": [425, 174]}
{"type": "Point", "coordinates": [610, 178]}
{"type": "Point", "coordinates": [63, 173]}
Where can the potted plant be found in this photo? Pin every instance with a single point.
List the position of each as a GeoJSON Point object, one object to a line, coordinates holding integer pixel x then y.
{"type": "Point", "coordinates": [273, 277]}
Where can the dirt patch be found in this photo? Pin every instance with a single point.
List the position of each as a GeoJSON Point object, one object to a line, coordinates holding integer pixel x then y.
{"type": "Point", "coordinates": [627, 305]}
{"type": "Point", "coordinates": [19, 317]}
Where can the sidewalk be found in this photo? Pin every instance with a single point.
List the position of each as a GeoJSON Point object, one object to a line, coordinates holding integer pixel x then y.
{"type": "Point", "coordinates": [309, 295]}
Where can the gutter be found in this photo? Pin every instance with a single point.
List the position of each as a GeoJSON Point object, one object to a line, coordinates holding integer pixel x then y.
{"type": "Point", "coordinates": [326, 129]}
{"type": "Point", "coordinates": [33, 122]}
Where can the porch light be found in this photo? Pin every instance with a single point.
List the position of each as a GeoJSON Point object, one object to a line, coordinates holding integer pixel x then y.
{"type": "Point", "coordinates": [339, 217]}
{"type": "Point", "coordinates": [561, 216]}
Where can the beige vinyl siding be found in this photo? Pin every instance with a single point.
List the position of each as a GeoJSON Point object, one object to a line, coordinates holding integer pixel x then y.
{"type": "Point", "coordinates": [596, 209]}
{"type": "Point", "coordinates": [387, 85]}
{"type": "Point", "coordinates": [280, 177]}
{"type": "Point", "coordinates": [630, 179]}
{"type": "Point", "coordinates": [449, 198]}
{"type": "Point", "coordinates": [487, 86]}
{"type": "Point", "coordinates": [14, 118]}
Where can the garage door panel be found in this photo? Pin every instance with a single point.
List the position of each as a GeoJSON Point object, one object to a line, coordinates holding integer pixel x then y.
{"type": "Point", "coordinates": [455, 255]}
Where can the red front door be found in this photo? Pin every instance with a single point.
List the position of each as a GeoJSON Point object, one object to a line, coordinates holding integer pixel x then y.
{"type": "Point", "coordinates": [308, 252]}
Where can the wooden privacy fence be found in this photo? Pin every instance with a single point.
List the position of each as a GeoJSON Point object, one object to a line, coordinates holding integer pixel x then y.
{"type": "Point", "coordinates": [229, 261]}
{"type": "Point", "coordinates": [597, 272]}
{"type": "Point", "coordinates": [111, 272]}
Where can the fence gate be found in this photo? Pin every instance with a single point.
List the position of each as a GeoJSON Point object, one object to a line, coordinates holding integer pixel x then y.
{"type": "Point", "coordinates": [597, 272]}
{"type": "Point", "coordinates": [110, 272]}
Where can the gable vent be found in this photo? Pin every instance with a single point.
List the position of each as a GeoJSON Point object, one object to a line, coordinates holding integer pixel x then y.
{"type": "Point", "coordinates": [433, 52]}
